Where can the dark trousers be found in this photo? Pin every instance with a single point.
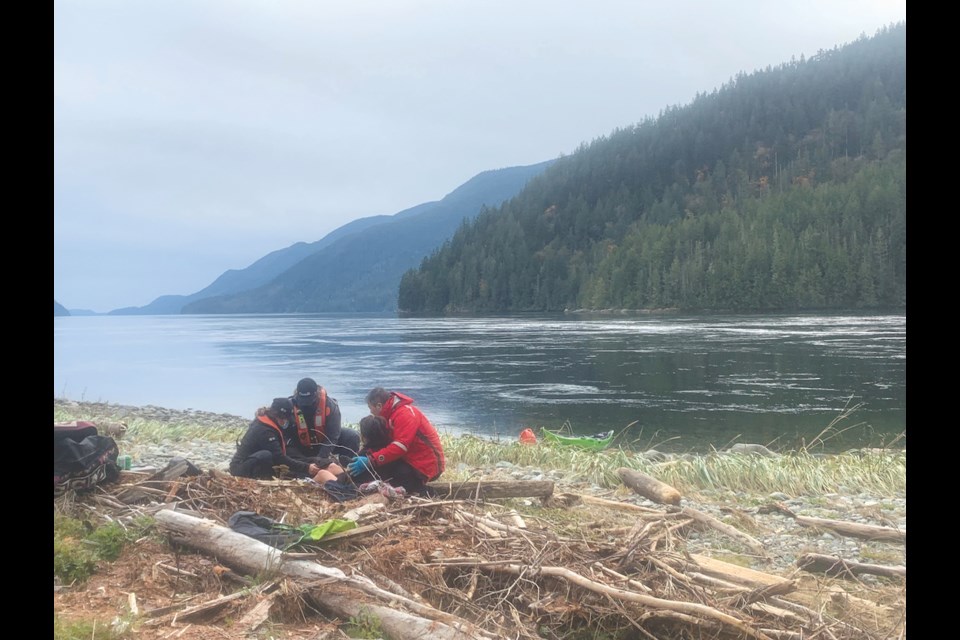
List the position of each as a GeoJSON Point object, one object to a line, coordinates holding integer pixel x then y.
{"type": "Point", "coordinates": [258, 465]}
{"type": "Point", "coordinates": [348, 444]}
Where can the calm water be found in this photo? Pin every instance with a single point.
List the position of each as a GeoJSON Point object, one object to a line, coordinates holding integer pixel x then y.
{"type": "Point", "coordinates": [689, 382]}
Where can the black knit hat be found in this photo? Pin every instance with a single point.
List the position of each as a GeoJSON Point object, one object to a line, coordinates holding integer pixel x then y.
{"type": "Point", "coordinates": [282, 407]}
{"type": "Point", "coordinates": [307, 388]}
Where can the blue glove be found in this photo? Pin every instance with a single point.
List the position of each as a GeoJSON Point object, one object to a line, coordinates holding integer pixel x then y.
{"type": "Point", "coordinates": [358, 466]}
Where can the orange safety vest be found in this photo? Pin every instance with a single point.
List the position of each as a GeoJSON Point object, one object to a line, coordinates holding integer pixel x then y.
{"type": "Point", "coordinates": [267, 420]}
{"type": "Point", "coordinates": [310, 435]}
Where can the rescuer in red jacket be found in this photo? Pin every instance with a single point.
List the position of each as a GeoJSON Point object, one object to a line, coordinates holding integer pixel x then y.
{"type": "Point", "coordinates": [412, 457]}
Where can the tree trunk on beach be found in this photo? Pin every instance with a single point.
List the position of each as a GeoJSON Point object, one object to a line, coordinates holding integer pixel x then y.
{"type": "Point", "coordinates": [855, 530]}
{"type": "Point", "coordinates": [331, 587]}
{"type": "Point", "coordinates": [649, 487]}
{"type": "Point", "coordinates": [833, 566]}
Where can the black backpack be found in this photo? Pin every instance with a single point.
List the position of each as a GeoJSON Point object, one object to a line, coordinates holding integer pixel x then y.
{"type": "Point", "coordinates": [82, 458]}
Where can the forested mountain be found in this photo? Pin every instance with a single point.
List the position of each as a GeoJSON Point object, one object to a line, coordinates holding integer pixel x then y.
{"type": "Point", "coordinates": [59, 309]}
{"type": "Point", "coordinates": [784, 189]}
{"type": "Point", "coordinates": [257, 274]}
{"type": "Point", "coordinates": [361, 271]}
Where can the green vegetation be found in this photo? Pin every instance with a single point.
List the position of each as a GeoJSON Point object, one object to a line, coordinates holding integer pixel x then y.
{"type": "Point", "coordinates": [802, 472]}
{"type": "Point", "coordinates": [178, 432]}
{"type": "Point", "coordinates": [795, 473]}
{"type": "Point", "coordinates": [784, 190]}
{"type": "Point", "coordinates": [86, 630]}
{"type": "Point", "coordinates": [878, 555]}
{"type": "Point", "coordinates": [155, 432]}
{"type": "Point", "coordinates": [78, 546]}
{"type": "Point", "coordinates": [363, 625]}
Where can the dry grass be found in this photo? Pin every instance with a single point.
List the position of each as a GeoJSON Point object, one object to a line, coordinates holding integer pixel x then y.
{"type": "Point", "coordinates": [566, 575]}
{"type": "Point", "coordinates": [803, 472]}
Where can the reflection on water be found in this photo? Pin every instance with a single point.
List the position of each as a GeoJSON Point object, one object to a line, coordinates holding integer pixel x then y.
{"type": "Point", "coordinates": [687, 382]}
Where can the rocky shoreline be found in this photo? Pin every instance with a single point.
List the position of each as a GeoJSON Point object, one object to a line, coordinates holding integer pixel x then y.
{"type": "Point", "coordinates": [779, 533]}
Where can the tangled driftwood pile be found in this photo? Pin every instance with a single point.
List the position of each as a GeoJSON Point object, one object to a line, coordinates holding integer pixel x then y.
{"type": "Point", "coordinates": [467, 565]}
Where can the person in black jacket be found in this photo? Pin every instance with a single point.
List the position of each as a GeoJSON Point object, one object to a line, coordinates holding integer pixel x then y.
{"type": "Point", "coordinates": [263, 447]}
{"type": "Point", "coordinates": [315, 432]}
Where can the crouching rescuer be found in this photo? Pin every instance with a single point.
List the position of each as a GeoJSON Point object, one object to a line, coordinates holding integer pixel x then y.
{"type": "Point", "coordinates": [316, 425]}
{"type": "Point", "coordinates": [400, 446]}
{"type": "Point", "coordinates": [262, 451]}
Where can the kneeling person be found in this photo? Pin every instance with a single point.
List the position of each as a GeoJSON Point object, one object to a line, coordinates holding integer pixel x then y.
{"type": "Point", "coordinates": [262, 447]}
{"type": "Point", "coordinates": [400, 445]}
{"type": "Point", "coordinates": [317, 434]}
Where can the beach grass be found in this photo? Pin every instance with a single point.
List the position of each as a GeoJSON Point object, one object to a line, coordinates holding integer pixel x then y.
{"type": "Point", "coordinates": [799, 472]}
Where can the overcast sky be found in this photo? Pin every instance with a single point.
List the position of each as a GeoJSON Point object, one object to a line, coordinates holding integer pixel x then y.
{"type": "Point", "coordinates": [196, 136]}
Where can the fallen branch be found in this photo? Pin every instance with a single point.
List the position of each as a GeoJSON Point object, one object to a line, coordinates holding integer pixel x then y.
{"type": "Point", "coordinates": [160, 611]}
{"type": "Point", "coordinates": [833, 566]}
{"type": "Point", "coordinates": [614, 504]}
{"type": "Point", "coordinates": [492, 489]}
{"type": "Point", "coordinates": [685, 608]}
{"type": "Point", "coordinates": [735, 573]}
{"type": "Point", "coordinates": [497, 526]}
{"type": "Point", "coordinates": [200, 611]}
{"type": "Point", "coordinates": [722, 527]}
{"type": "Point", "coordinates": [257, 616]}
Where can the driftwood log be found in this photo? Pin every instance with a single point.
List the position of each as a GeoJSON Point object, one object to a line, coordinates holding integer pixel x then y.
{"type": "Point", "coordinates": [735, 573]}
{"type": "Point", "coordinates": [649, 487]}
{"type": "Point", "coordinates": [613, 504]}
{"type": "Point", "coordinates": [332, 585]}
{"type": "Point", "coordinates": [722, 527]}
{"type": "Point", "coordinates": [833, 566]}
{"type": "Point", "coordinates": [492, 489]}
{"type": "Point", "coordinates": [855, 530]}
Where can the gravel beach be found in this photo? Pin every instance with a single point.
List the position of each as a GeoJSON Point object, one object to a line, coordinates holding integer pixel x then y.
{"type": "Point", "coordinates": [778, 533]}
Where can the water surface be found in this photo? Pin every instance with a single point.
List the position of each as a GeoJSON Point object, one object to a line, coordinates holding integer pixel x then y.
{"type": "Point", "coordinates": [682, 382]}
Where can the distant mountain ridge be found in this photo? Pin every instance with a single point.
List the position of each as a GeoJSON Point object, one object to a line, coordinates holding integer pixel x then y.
{"type": "Point", "coordinates": [361, 285]}
{"type": "Point", "coordinates": [360, 269]}
{"type": "Point", "coordinates": [59, 309]}
{"type": "Point", "coordinates": [260, 272]}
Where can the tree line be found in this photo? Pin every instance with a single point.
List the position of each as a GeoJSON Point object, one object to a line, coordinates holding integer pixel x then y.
{"type": "Point", "coordinates": [784, 189]}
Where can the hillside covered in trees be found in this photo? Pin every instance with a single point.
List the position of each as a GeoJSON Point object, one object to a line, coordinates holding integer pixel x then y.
{"type": "Point", "coordinates": [784, 189]}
